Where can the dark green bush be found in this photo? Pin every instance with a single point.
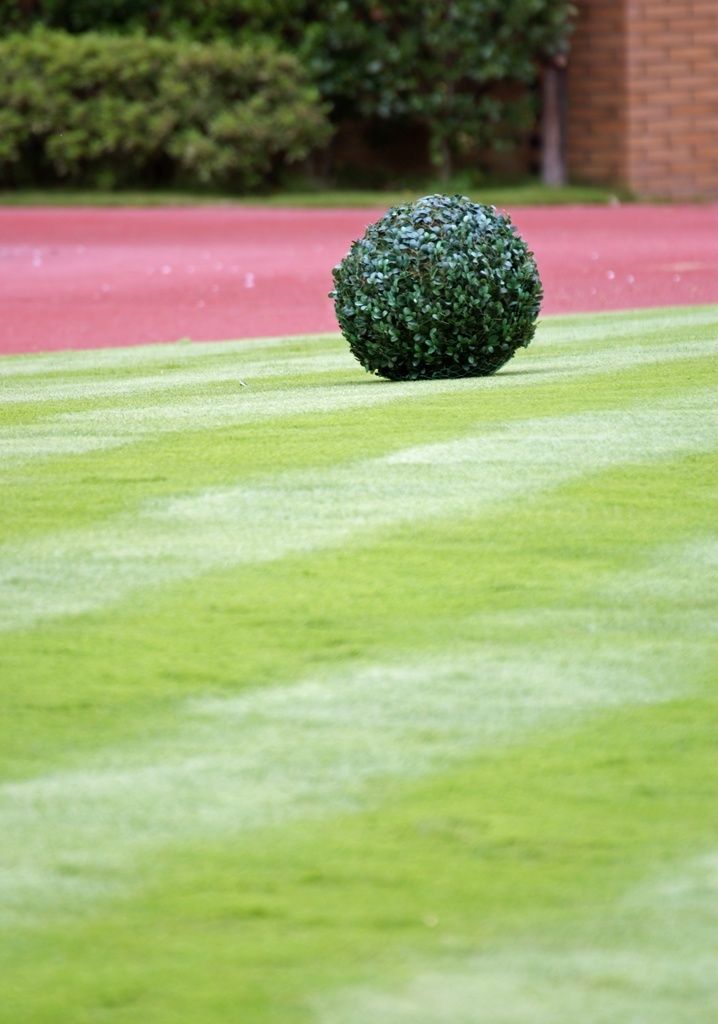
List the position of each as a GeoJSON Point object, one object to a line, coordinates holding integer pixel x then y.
{"type": "Point", "coordinates": [460, 69]}
{"type": "Point", "coordinates": [193, 19]}
{"type": "Point", "coordinates": [114, 110]}
{"type": "Point", "coordinates": [441, 287]}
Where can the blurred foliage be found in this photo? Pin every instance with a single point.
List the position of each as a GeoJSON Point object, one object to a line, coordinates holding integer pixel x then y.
{"type": "Point", "coordinates": [195, 19]}
{"type": "Point", "coordinates": [438, 64]}
{"type": "Point", "coordinates": [461, 71]}
{"type": "Point", "coordinates": [114, 110]}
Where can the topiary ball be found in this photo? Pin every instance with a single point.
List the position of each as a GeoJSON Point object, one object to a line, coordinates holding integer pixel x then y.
{"type": "Point", "coordinates": [441, 287]}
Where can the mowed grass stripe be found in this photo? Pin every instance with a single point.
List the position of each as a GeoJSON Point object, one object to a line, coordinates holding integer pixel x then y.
{"type": "Point", "coordinates": [106, 362]}
{"type": "Point", "coordinates": [558, 857]}
{"type": "Point", "coordinates": [74, 572]}
{"type": "Point", "coordinates": [322, 744]}
{"type": "Point", "coordinates": [110, 425]}
{"type": "Point", "coordinates": [312, 747]}
{"type": "Point", "coordinates": [84, 387]}
{"type": "Point", "coordinates": [531, 572]}
{"type": "Point", "coordinates": [569, 921]}
{"type": "Point", "coordinates": [320, 359]}
{"type": "Point", "coordinates": [132, 360]}
{"type": "Point", "coordinates": [82, 489]}
{"type": "Point", "coordinates": [184, 401]}
{"type": "Point", "coordinates": [623, 963]}
{"type": "Point", "coordinates": [218, 779]}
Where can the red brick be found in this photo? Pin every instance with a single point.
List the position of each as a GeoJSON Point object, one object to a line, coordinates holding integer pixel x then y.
{"type": "Point", "coordinates": [705, 7]}
{"type": "Point", "coordinates": [704, 114]}
{"type": "Point", "coordinates": [646, 116]}
{"type": "Point", "coordinates": [689, 167]}
{"type": "Point", "coordinates": [666, 154]}
{"type": "Point", "coordinates": [702, 26]}
{"type": "Point", "coordinates": [701, 81]}
{"type": "Point", "coordinates": [704, 139]}
{"type": "Point", "coordinates": [671, 97]}
{"type": "Point", "coordinates": [650, 41]}
{"type": "Point", "coordinates": [703, 55]}
{"type": "Point", "coordinates": [706, 37]}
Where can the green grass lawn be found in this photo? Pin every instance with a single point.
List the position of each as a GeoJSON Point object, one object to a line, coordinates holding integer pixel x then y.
{"type": "Point", "coordinates": [332, 700]}
{"type": "Point", "coordinates": [528, 193]}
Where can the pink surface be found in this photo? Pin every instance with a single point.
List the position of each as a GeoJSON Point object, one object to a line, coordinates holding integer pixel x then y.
{"type": "Point", "coordinates": [81, 278]}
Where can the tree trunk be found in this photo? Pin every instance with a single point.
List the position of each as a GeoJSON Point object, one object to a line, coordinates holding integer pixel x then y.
{"type": "Point", "coordinates": [553, 141]}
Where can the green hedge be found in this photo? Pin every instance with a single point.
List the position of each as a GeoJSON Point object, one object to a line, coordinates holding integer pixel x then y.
{"type": "Point", "coordinates": [196, 19]}
{"type": "Point", "coordinates": [463, 69]}
{"type": "Point", "coordinates": [107, 110]}
{"type": "Point", "coordinates": [463, 73]}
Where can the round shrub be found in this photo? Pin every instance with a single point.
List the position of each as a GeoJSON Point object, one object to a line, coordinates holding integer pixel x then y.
{"type": "Point", "coordinates": [442, 287]}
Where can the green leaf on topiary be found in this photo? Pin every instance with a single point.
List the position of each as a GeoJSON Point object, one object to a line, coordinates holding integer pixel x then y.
{"type": "Point", "coordinates": [442, 287]}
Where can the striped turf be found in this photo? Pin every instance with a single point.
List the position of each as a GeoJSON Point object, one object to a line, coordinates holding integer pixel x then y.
{"type": "Point", "coordinates": [336, 700]}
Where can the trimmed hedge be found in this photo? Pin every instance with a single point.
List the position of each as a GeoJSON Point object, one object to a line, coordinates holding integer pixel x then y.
{"type": "Point", "coordinates": [462, 71]}
{"type": "Point", "coordinates": [438, 288]}
{"type": "Point", "coordinates": [117, 110]}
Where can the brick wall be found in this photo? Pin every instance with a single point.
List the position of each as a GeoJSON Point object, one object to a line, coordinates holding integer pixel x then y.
{"type": "Point", "coordinates": [597, 94]}
{"type": "Point", "coordinates": [643, 96]}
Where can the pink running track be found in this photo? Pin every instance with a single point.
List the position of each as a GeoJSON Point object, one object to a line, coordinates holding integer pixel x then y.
{"type": "Point", "coordinates": [86, 278]}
